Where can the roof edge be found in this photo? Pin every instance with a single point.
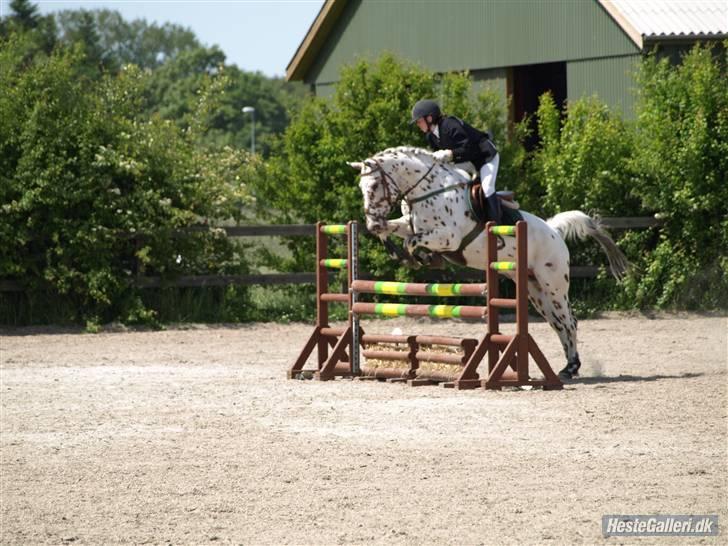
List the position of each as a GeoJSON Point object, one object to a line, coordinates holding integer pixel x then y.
{"type": "Point", "coordinates": [692, 37]}
{"type": "Point", "coordinates": [314, 39]}
{"type": "Point", "coordinates": [623, 22]}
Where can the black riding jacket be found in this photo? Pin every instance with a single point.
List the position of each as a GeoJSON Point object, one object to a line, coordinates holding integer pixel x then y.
{"type": "Point", "coordinates": [467, 143]}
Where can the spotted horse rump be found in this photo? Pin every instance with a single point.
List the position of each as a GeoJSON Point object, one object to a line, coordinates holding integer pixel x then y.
{"type": "Point", "coordinates": [437, 217]}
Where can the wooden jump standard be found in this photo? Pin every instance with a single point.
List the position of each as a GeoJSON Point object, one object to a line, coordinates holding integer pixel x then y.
{"type": "Point", "coordinates": [342, 362]}
{"type": "Point", "coordinates": [507, 354]}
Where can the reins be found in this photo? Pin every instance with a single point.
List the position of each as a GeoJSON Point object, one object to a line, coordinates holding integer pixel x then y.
{"type": "Point", "coordinates": [403, 195]}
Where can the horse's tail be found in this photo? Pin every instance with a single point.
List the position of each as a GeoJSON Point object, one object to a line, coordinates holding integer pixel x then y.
{"type": "Point", "coordinates": [575, 224]}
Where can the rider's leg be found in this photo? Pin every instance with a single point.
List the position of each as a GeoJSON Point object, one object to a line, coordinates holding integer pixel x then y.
{"type": "Point", "coordinates": [488, 174]}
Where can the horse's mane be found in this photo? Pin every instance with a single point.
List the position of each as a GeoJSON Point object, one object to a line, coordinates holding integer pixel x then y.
{"type": "Point", "coordinates": [408, 151]}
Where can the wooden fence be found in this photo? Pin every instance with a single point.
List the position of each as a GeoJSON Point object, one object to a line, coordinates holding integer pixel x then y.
{"type": "Point", "coordinates": [287, 230]}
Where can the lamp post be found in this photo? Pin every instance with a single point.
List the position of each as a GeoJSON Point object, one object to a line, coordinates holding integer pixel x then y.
{"type": "Point", "coordinates": [250, 110]}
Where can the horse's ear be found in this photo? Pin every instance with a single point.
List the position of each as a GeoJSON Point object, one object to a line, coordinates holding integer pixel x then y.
{"type": "Point", "coordinates": [358, 165]}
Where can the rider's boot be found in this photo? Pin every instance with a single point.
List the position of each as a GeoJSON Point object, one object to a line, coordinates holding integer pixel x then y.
{"type": "Point", "coordinates": [494, 208]}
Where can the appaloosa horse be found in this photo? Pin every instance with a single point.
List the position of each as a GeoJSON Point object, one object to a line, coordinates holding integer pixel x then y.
{"type": "Point", "coordinates": [438, 217]}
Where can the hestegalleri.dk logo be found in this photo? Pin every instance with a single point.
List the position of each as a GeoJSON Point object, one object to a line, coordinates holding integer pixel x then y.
{"type": "Point", "coordinates": [660, 525]}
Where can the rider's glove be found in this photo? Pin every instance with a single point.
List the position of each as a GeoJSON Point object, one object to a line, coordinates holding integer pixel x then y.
{"type": "Point", "coordinates": [443, 156]}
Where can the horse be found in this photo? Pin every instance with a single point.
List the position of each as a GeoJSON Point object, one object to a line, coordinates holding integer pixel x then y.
{"type": "Point", "coordinates": [438, 218]}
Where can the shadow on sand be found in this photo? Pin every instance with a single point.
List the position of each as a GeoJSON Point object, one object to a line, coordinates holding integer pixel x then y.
{"type": "Point", "coordinates": [627, 378]}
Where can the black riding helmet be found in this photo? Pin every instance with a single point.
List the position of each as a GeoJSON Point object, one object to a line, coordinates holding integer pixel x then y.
{"type": "Point", "coordinates": [423, 108]}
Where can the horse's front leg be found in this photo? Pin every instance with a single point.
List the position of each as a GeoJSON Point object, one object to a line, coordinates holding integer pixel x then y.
{"type": "Point", "coordinates": [399, 227]}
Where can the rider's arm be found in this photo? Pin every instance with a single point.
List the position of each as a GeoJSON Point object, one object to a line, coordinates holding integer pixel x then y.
{"type": "Point", "coordinates": [458, 140]}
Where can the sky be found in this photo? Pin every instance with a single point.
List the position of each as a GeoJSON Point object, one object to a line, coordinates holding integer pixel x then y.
{"type": "Point", "coordinates": [256, 35]}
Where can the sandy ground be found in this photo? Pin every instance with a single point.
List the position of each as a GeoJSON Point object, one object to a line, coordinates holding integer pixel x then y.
{"type": "Point", "coordinates": [193, 436]}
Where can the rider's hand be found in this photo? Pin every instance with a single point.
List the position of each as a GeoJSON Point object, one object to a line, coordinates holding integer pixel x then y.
{"type": "Point", "coordinates": [443, 156]}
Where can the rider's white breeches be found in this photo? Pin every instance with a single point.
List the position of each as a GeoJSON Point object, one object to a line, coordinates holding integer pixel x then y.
{"type": "Point", "coordinates": [488, 174]}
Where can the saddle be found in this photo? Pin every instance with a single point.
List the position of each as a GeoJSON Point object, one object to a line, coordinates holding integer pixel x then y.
{"type": "Point", "coordinates": [479, 207]}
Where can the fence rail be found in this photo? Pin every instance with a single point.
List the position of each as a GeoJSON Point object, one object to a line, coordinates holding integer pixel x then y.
{"type": "Point", "coordinates": [288, 230]}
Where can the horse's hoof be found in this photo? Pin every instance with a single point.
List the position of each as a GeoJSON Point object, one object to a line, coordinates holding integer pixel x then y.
{"type": "Point", "coordinates": [571, 369]}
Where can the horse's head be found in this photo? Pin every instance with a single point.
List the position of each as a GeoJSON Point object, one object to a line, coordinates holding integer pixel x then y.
{"type": "Point", "coordinates": [385, 179]}
{"type": "Point", "coordinates": [380, 192]}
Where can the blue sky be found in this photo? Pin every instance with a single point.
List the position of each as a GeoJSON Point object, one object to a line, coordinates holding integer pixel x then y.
{"type": "Point", "coordinates": [257, 35]}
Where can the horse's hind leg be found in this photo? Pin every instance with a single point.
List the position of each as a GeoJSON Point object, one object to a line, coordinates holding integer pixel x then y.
{"type": "Point", "coordinates": [572, 354]}
{"type": "Point", "coordinates": [550, 297]}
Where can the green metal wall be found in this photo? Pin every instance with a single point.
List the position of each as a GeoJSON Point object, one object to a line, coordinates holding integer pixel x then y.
{"type": "Point", "coordinates": [325, 90]}
{"type": "Point", "coordinates": [467, 34]}
{"type": "Point", "coordinates": [610, 78]}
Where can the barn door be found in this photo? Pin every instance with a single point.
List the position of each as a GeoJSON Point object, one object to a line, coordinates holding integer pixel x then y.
{"type": "Point", "coordinates": [527, 83]}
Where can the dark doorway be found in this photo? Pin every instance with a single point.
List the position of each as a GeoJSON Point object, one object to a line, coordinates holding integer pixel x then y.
{"type": "Point", "coordinates": [529, 83]}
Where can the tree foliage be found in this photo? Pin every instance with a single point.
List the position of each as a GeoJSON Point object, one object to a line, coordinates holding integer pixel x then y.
{"type": "Point", "coordinates": [583, 159]}
{"type": "Point", "coordinates": [91, 191]}
{"type": "Point", "coordinates": [178, 65]}
{"type": "Point", "coordinates": [39, 32]}
{"type": "Point", "coordinates": [681, 162]}
{"type": "Point", "coordinates": [173, 92]}
{"type": "Point", "coordinates": [146, 45]}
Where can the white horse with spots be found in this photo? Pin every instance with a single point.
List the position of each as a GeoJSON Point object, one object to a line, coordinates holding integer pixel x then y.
{"type": "Point", "coordinates": [437, 217]}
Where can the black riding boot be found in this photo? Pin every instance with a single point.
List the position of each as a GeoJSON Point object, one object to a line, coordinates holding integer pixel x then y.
{"type": "Point", "coordinates": [494, 208]}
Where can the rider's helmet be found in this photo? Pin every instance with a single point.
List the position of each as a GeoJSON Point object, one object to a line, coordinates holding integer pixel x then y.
{"type": "Point", "coordinates": [425, 107]}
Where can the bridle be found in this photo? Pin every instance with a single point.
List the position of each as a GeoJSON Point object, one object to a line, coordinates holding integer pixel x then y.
{"type": "Point", "coordinates": [388, 194]}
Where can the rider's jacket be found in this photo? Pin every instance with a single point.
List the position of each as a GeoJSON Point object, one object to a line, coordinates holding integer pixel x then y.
{"type": "Point", "coordinates": [466, 142]}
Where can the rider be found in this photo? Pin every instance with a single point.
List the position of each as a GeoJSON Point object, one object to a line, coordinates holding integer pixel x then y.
{"type": "Point", "coordinates": [455, 140]}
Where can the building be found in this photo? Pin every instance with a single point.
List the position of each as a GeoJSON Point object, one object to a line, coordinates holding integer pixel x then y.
{"type": "Point", "coordinates": [521, 48]}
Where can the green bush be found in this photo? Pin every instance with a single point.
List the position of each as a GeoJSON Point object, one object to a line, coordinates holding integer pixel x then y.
{"type": "Point", "coordinates": [681, 161]}
{"type": "Point", "coordinates": [583, 162]}
{"type": "Point", "coordinates": [91, 193]}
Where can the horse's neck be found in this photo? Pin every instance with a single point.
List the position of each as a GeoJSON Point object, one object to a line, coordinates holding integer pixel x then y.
{"type": "Point", "coordinates": [410, 175]}
{"type": "Point", "coordinates": [420, 177]}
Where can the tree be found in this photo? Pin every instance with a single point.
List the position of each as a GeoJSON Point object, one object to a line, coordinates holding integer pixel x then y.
{"type": "Point", "coordinates": [39, 32]}
{"type": "Point", "coordinates": [272, 99]}
{"type": "Point", "coordinates": [85, 32]}
{"type": "Point", "coordinates": [138, 42]}
{"type": "Point", "coordinates": [25, 14]}
{"type": "Point", "coordinates": [179, 66]}
{"type": "Point", "coordinates": [173, 89]}
{"type": "Point", "coordinates": [583, 159]}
